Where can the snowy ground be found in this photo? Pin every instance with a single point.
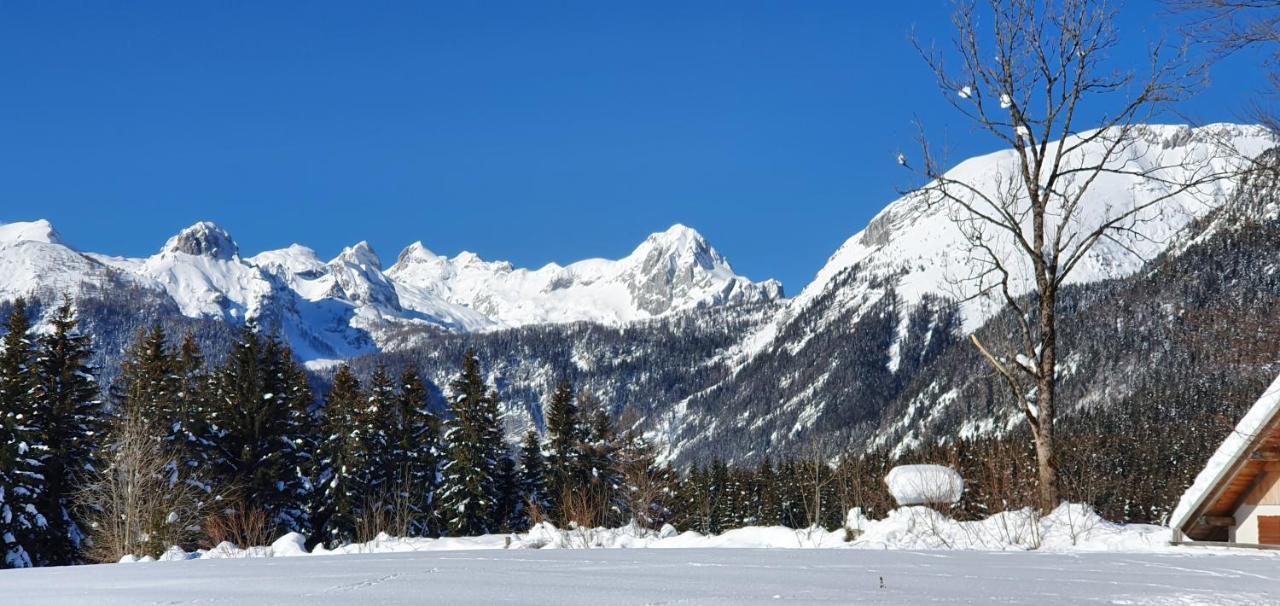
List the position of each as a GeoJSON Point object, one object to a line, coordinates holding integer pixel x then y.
{"type": "Point", "coordinates": [657, 576]}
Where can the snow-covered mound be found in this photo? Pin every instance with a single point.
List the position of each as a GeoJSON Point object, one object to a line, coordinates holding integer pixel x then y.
{"type": "Point", "coordinates": [924, 484]}
{"type": "Point", "coordinates": [350, 305]}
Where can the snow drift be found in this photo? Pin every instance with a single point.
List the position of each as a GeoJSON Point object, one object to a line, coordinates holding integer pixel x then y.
{"type": "Point", "coordinates": [1070, 528]}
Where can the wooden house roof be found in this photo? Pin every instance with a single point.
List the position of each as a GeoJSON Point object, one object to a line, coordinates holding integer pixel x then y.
{"type": "Point", "coordinates": [1252, 449]}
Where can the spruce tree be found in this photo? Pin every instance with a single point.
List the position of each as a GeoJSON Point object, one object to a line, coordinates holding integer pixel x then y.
{"type": "Point", "coordinates": [147, 404]}
{"type": "Point", "coordinates": [345, 480]}
{"type": "Point", "coordinates": [188, 433]}
{"type": "Point", "coordinates": [376, 424]}
{"type": "Point", "coordinates": [720, 512]}
{"type": "Point", "coordinates": [22, 525]}
{"type": "Point", "coordinates": [469, 495]}
{"type": "Point", "coordinates": [769, 504]}
{"type": "Point", "coordinates": [415, 447]}
{"type": "Point", "coordinates": [533, 474]}
{"type": "Point", "coordinates": [599, 451]}
{"type": "Point", "coordinates": [260, 429]}
{"type": "Point", "coordinates": [68, 413]}
{"type": "Point", "coordinates": [565, 465]}
{"type": "Point", "coordinates": [299, 436]}
{"type": "Point", "coordinates": [148, 384]}
{"type": "Point", "coordinates": [509, 512]}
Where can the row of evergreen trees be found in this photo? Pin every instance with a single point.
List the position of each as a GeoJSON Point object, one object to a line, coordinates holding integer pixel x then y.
{"type": "Point", "coordinates": [50, 429]}
{"type": "Point", "coordinates": [184, 452]}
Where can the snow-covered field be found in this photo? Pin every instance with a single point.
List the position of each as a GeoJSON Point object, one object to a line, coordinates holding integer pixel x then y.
{"type": "Point", "coordinates": [684, 576]}
{"type": "Point", "coordinates": [913, 556]}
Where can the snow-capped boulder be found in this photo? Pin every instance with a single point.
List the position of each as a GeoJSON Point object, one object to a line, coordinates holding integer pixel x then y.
{"type": "Point", "coordinates": [924, 484]}
{"type": "Point", "coordinates": [289, 545]}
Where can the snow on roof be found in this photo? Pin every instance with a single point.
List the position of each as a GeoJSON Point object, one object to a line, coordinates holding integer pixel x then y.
{"type": "Point", "coordinates": [924, 484]}
{"type": "Point", "coordinates": [1232, 448]}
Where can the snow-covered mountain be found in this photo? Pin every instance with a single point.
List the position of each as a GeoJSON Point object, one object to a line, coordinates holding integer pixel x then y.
{"type": "Point", "coordinates": [35, 261]}
{"type": "Point", "coordinates": [868, 355]}
{"type": "Point", "coordinates": [670, 271]}
{"type": "Point", "coordinates": [350, 305]}
{"type": "Point", "coordinates": [916, 249]}
{"type": "Point", "coordinates": [836, 356]}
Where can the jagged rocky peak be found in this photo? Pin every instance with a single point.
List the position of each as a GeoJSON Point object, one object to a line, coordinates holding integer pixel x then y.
{"type": "Point", "coordinates": [29, 231]}
{"type": "Point", "coordinates": [204, 239]}
{"type": "Point", "coordinates": [680, 243]}
{"type": "Point", "coordinates": [677, 267]}
{"type": "Point", "coordinates": [358, 277]}
{"type": "Point", "coordinates": [361, 255]}
{"type": "Point", "coordinates": [416, 252]}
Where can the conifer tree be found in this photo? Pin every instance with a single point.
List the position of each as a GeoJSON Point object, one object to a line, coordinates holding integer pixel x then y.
{"type": "Point", "coordinates": [382, 467]}
{"type": "Point", "coordinates": [260, 425]}
{"type": "Point", "coordinates": [22, 525]}
{"type": "Point", "coordinates": [150, 406]}
{"type": "Point", "coordinates": [416, 451]}
{"type": "Point", "coordinates": [148, 384]}
{"type": "Point", "coordinates": [68, 413]}
{"type": "Point", "coordinates": [533, 473]}
{"type": "Point", "coordinates": [298, 437]}
{"type": "Point", "coordinates": [566, 469]}
{"type": "Point", "coordinates": [470, 487]}
{"type": "Point", "coordinates": [188, 433]}
{"type": "Point", "coordinates": [509, 512]}
{"type": "Point", "coordinates": [598, 453]}
{"type": "Point", "coordinates": [720, 512]}
{"type": "Point", "coordinates": [345, 481]}
{"type": "Point", "coordinates": [769, 505]}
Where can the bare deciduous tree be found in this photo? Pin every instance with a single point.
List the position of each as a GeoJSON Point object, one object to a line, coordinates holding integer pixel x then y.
{"type": "Point", "coordinates": [818, 478]}
{"type": "Point", "coordinates": [131, 506]}
{"type": "Point", "coordinates": [1230, 26]}
{"type": "Point", "coordinates": [1035, 76]}
{"type": "Point", "coordinates": [647, 485]}
{"type": "Point", "coordinates": [239, 524]}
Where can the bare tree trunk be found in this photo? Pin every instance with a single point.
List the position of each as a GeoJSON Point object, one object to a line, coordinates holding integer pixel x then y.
{"type": "Point", "coordinates": [1046, 402]}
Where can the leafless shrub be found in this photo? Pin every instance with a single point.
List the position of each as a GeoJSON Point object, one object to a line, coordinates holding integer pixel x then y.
{"type": "Point", "coordinates": [537, 514]}
{"type": "Point", "coordinates": [132, 506]}
{"type": "Point", "coordinates": [391, 510]}
{"type": "Point", "coordinates": [239, 524]}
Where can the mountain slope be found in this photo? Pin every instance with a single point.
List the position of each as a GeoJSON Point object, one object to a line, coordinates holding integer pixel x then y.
{"type": "Point", "coordinates": [841, 350]}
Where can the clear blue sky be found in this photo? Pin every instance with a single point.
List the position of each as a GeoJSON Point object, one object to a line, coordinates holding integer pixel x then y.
{"type": "Point", "coordinates": [528, 131]}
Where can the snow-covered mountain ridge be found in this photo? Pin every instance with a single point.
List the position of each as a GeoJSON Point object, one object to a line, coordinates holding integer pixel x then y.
{"type": "Point", "coordinates": [918, 249]}
{"type": "Point", "coordinates": [833, 360]}
{"type": "Point", "coordinates": [350, 305]}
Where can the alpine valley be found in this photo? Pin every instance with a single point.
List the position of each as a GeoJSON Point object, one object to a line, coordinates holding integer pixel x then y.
{"type": "Point", "coordinates": [870, 355]}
